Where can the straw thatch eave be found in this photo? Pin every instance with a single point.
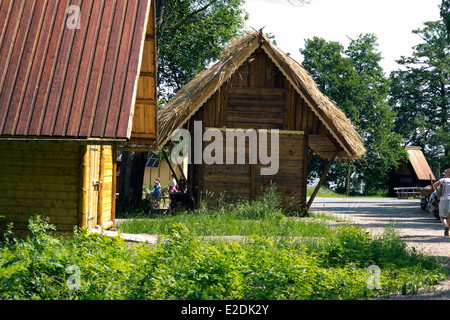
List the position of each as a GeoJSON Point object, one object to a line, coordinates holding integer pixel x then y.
{"type": "Point", "coordinates": [195, 93]}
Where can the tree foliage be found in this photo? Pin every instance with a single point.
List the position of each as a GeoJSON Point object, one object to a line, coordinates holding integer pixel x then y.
{"type": "Point", "coordinates": [354, 79]}
{"type": "Point", "coordinates": [445, 15]}
{"type": "Point", "coordinates": [420, 94]}
{"type": "Point", "coordinates": [191, 34]}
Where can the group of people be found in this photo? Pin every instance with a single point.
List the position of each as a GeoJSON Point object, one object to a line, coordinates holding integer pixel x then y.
{"type": "Point", "coordinates": [444, 203]}
{"type": "Point", "coordinates": [173, 187]}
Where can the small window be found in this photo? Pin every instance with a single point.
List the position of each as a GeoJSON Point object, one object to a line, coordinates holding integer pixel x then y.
{"type": "Point", "coordinates": [153, 160]}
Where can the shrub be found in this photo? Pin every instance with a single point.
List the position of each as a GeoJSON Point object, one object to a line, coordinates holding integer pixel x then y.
{"type": "Point", "coordinates": [185, 266]}
{"type": "Point", "coordinates": [42, 266]}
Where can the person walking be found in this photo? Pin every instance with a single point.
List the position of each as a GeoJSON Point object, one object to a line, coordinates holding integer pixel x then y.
{"type": "Point", "coordinates": [444, 203]}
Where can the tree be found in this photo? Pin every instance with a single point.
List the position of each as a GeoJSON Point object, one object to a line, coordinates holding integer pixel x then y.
{"type": "Point", "coordinates": [191, 34]}
{"type": "Point", "coordinates": [354, 79]}
{"type": "Point", "coordinates": [445, 15]}
{"type": "Point", "coordinates": [420, 94]}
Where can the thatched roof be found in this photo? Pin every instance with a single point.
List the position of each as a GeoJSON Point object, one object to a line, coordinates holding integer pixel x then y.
{"type": "Point", "coordinates": [195, 93]}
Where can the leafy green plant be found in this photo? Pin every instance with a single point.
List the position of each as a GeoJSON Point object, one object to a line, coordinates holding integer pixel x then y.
{"type": "Point", "coordinates": [329, 263]}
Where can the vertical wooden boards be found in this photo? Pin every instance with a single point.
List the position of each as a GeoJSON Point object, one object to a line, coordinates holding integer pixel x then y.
{"type": "Point", "coordinates": [257, 96]}
{"type": "Point", "coordinates": [42, 180]}
{"type": "Point", "coordinates": [144, 121]}
{"type": "Point", "coordinates": [289, 178]}
{"type": "Point", "coordinates": [108, 193]}
{"type": "Point", "coordinates": [100, 195]}
{"type": "Point", "coordinates": [92, 186]}
{"type": "Point", "coordinates": [244, 181]}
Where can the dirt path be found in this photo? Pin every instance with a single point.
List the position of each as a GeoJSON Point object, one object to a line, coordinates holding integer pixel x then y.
{"type": "Point", "coordinates": [418, 228]}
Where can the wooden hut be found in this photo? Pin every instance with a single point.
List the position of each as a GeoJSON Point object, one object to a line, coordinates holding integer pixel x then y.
{"type": "Point", "coordinates": [410, 174]}
{"type": "Point", "coordinates": [257, 86]}
{"type": "Point", "coordinates": [77, 82]}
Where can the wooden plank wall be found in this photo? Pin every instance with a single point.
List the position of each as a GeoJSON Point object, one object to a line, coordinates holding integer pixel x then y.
{"type": "Point", "coordinates": [41, 180]}
{"type": "Point", "coordinates": [289, 179]}
{"type": "Point", "coordinates": [89, 193]}
{"type": "Point", "coordinates": [107, 195]}
{"type": "Point", "coordinates": [244, 181]}
{"type": "Point", "coordinates": [259, 96]}
{"type": "Point", "coordinates": [144, 120]}
{"type": "Point", "coordinates": [99, 202]}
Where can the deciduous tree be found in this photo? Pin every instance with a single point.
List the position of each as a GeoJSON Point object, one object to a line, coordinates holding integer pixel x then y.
{"type": "Point", "coordinates": [354, 79]}
{"type": "Point", "coordinates": [420, 94]}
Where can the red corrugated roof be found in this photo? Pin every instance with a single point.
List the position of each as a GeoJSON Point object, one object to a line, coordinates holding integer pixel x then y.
{"type": "Point", "coordinates": [57, 81]}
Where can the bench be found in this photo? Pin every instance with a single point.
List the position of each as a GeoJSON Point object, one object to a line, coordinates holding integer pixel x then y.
{"type": "Point", "coordinates": [406, 192]}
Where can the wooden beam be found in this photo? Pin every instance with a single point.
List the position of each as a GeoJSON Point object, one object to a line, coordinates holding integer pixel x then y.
{"type": "Point", "coordinates": [311, 153]}
{"type": "Point", "coordinates": [311, 199]}
{"type": "Point", "coordinates": [114, 185]}
{"type": "Point", "coordinates": [83, 188]}
{"type": "Point", "coordinates": [304, 185]}
{"type": "Point", "coordinates": [62, 141]}
{"type": "Point", "coordinates": [170, 165]}
{"type": "Point", "coordinates": [188, 187]}
{"type": "Point", "coordinates": [182, 174]}
{"type": "Point", "coordinates": [101, 154]}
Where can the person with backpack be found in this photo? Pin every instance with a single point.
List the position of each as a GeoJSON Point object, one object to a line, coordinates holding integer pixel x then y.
{"type": "Point", "coordinates": [444, 203]}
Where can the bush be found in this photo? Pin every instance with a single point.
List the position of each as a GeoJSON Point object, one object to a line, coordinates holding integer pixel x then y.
{"type": "Point", "coordinates": [185, 266]}
{"type": "Point", "coordinates": [44, 267]}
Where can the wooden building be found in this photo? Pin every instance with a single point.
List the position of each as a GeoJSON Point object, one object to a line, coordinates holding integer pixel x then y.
{"type": "Point", "coordinates": [257, 86]}
{"type": "Point", "coordinates": [77, 83]}
{"type": "Point", "coordinates": [413, 173]}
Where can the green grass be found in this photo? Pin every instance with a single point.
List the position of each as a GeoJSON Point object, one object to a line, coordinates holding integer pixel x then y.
{"type": "Point", "coordinates": [324, 193]}
{"type": "Point", "coordinates": [327, 193]}
{"type": "Point", "coordinates": [225, 223]}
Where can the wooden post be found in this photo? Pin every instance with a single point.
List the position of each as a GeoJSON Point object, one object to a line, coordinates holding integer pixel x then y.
{"type": "Point", "coordinates": [100, 186]}
{"type": "Point", "coordinates": [182, 174]}
{"type": "Point", "coordinates": [83, 187]}
{"type": "Point", "coordinates": [304, 187]}
{"type": "Point", "coordinates": [170, 166]}
{"type": "Point", "coordinates": [311, 199]}
{"type": "Point", "coordinates": [114, 185]}
{"type": "Point", "coordinates": [311, 153]}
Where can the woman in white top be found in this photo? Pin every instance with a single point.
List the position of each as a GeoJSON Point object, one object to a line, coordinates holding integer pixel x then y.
{"type": "Point", "coordinates": [444, 203]}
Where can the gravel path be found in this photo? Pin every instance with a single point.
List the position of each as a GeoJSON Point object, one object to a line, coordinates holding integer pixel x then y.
{"type": "Point", "coordinates": [418, 228]}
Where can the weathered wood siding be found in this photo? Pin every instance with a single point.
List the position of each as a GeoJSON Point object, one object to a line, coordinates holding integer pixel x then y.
{"type": "Point", "coordinates": [244, 181]}
{"type": "Point", "coordinates": [42, 180]}
{"type": "Point", "coordinates": [259, 96]}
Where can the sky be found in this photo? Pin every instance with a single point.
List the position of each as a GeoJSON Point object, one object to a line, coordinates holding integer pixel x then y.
{"type": "Point", "coordinates": [392, 21]}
